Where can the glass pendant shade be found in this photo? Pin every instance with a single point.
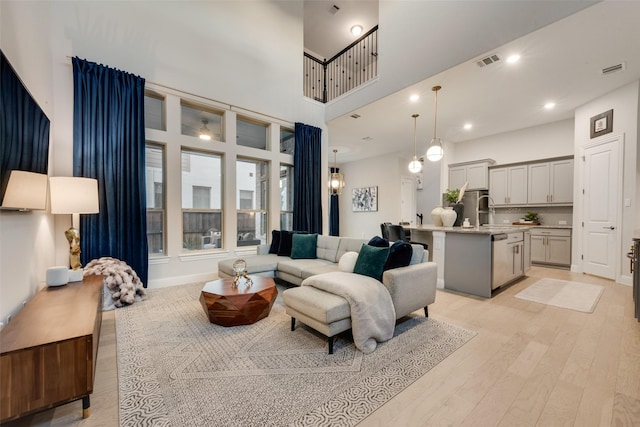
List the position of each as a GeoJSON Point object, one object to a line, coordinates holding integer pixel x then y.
{"type": "Point", "coordinates": [336, 179]}
{"type": "Point", "coordinates": [414, 166]}
{"type": "Point", "coordinates": [435, 150]}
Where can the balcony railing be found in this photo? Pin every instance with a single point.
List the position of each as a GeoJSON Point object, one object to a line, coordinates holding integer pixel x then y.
{"type": "Point", "coordinates": [353, 66]}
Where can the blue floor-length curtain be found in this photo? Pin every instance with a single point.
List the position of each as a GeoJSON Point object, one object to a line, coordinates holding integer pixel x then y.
{"type": "Point", "coordinates": [334, 211]}
{"type": "Point", "coordinates": [109, 145]}
{"type": "Point", "coordinates": [24, 128]}
{"type": "Point", "coordinates": [307, 179]}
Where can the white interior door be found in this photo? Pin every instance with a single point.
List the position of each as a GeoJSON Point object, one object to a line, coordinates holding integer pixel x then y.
{"type": "Point", "coordinates": [408, 201]}
{"type": "Point", "coordinates": [601, 194]}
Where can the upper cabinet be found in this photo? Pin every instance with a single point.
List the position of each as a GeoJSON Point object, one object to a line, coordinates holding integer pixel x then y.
{"type": "Point", "coordinates": [475, 173]}
{"type": "Point", "coordinates": [508, 185]}
{"type": "Point", "coordinates": [551, 182]}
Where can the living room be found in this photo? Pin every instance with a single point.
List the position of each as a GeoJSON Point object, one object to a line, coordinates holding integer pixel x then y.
{"type": "Point", "coordinates": [241, 56]}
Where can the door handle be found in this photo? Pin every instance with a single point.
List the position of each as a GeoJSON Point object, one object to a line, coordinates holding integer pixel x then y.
{"type": "Point", "coordinates": [609, 228]}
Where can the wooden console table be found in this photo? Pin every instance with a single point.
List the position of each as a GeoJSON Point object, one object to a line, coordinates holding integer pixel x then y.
{"type": "Point", "coordinates": [48, 352]}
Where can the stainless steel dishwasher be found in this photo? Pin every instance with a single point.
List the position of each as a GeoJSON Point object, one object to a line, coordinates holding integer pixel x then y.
{"type": "Point", "coordinates": [501, 260]}
{"type": "Point", "coordinates": [507, 258]}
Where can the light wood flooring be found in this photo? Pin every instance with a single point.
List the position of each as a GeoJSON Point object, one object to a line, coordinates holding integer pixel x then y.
{"type": "Point", "coordinates": [530, 365]}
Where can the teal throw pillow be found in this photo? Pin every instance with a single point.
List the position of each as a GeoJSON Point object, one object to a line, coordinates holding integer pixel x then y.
{"type": "Point", "coordinates": [371, 261]}
{"type": "Point", "coordinates": [303, 246]}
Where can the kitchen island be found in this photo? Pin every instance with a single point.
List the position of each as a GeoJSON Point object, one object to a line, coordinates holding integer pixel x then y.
{"type": "Point", "coordinates": [477, 260]}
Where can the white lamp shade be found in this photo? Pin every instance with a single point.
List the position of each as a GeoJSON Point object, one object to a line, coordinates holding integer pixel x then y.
{"type": "Point", "coordinates": [26, 190]}
{"type": "Point", "coordinates": [74, 195]}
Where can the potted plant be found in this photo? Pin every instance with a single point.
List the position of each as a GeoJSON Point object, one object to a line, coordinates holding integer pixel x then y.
{"type": "Point", "coordinates": [531, 217]}
{"type": "Point", "coordinates": [452, 197]}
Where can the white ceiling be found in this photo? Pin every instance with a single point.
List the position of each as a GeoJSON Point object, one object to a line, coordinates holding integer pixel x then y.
{"type": "Point", "coordinates": [327, 29]}
{"type": "Point", "coordinates": [561, 62]}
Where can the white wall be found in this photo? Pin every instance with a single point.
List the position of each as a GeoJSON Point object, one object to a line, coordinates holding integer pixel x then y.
{"type": "Point", "coordinates": [247, 54]}
{"type": "Point", "coordinates": [538, 142]}
{"type": "Point", "coordinates": [625, 104]}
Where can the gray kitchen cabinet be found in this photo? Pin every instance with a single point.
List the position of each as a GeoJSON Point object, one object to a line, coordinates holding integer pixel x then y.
{"type": "Point", "coordinates": [551, 182]}
{"type": "Point", "coordinates": [475, 173]}
{"type": "Point", "coordinates": [551, 246]}
{"type": "Point", "coordinates": [508, 185]}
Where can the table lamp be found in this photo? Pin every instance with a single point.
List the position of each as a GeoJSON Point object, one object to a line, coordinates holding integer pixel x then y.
{"type": "Point", "coordinates": [25, 191]}
{"type": "Point", "coordinates": [75, 196]}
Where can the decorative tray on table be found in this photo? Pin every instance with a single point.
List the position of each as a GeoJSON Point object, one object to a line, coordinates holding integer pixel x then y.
{"type": "Point", "coordinates": [525, 223]}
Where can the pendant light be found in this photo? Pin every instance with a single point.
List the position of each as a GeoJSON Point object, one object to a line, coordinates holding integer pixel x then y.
{"type": "Point", "coordinates": [205, 133]}
{"type": "Point", "coordinates": [415, 166]}
{"type": "Point", "coordinates": [336, 179]}
{"type": "Point", "coordinates": [435, 151]}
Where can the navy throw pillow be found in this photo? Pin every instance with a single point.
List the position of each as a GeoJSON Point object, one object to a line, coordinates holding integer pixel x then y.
{"type": "Point", "coordinates": [304, 246]}
{"type": "Point", "coordinates": [400, 254]}
{"type": "Point", "coordinates": [284, 249]}
{"type": "Point", "coordinates": [378, 242]}
{"type": "Point", "coordinates": [275, 242]}
{"type": "Point", "coordinates": [371, 261]}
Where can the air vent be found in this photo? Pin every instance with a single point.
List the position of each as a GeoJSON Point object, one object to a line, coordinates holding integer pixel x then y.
{"type": "Point", "coordinates": [488, 60]}
{"type": "Point", "coordinates": [355, 116]}
{"type": "Point", "coordinates": [614, 68]}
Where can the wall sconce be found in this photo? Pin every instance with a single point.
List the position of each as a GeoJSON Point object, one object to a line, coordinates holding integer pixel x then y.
{"type": "Point", "coordinates": [26, 191]}
{"type": "Point", "coordinates": [336, 179]}
{"type": "Point", "coordinates": [75, 196]}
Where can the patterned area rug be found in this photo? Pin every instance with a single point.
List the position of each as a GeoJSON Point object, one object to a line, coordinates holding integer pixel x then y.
{"type": "Point", "coordinates": [561, 293]}
{"type": "Point", "coordinates": [177, 369]}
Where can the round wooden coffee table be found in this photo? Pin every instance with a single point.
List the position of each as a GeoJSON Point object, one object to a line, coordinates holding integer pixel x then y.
{"type": "Point", "coordinates": [243, 305]}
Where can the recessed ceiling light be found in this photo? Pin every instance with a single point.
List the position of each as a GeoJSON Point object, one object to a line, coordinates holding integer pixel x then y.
{"type": "Point", "coordinates": [513, 58]}
{"type": "Point", "coordinates": [414, 97]}
{"type": "Point", "coordinates": [550, 105]}
{"type": "Point", "coordinates": [356, 30]}
{"type": "Point", "coordinates": [468, 126]}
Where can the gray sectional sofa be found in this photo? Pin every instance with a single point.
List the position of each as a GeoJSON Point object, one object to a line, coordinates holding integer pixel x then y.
{"type": "Point", "coordinates": [329, 250]}
{"type": "Point", "coordinates": [411, 288]}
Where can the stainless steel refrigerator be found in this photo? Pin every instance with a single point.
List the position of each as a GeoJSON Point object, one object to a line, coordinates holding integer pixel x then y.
{"type": "Point", "coordinates": [470, 201]}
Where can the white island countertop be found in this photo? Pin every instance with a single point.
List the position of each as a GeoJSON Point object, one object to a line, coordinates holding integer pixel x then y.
{"type": "Point", "coordinates": [485, 229]}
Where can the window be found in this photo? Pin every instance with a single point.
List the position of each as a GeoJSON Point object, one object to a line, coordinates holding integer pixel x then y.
{"type": "Point", "coordinates": [154, 172]}
{"type": "Point", "coordinates": [251, 134]}
{"type": "Point", "coordinates": [287, 141]}
{"type": "Point", "coordinates": [252, 181]}
{"type": "Point", "coordinates": [201, 201]}
{"type": "Point", "coordinates": [201, 197]}
{"type": "Point", "coordinates": [286, 197]}
{"type": "Point", "coordinates": [201, 123]}
{"type": "Point", "coordinates": [154, 112]}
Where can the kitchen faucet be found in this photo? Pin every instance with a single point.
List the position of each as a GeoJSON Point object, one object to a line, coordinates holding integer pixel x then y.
{"type": "Point", "coordinates": [491, 208]}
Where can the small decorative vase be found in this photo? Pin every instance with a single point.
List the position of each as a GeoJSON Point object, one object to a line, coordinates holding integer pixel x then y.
{"type": "Point", "coordinates": [435, 216]}
{"type": "Point", "coordinates": [459, 210]}
{"type": "Point", "coordinates": [448, 216]}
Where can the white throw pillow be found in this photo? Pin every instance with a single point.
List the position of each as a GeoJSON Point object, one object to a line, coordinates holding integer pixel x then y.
{"type": "Point", "coordinates": [348, 262]}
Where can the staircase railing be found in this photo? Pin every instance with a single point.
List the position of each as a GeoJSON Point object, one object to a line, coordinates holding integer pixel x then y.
{"type": "Point", "coordinates": [351, 67]}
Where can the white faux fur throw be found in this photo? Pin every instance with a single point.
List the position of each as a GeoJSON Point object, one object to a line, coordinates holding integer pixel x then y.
{"type": "Point", "coordinates": [373, 317]}
{"type": "Point", "coordinates": [119, 278]}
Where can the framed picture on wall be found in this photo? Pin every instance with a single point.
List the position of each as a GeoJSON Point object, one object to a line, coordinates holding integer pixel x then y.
{"type": "Point", "coordinates": [364, 199]}
{"type": "Point", "coordinates": [602, 124]}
